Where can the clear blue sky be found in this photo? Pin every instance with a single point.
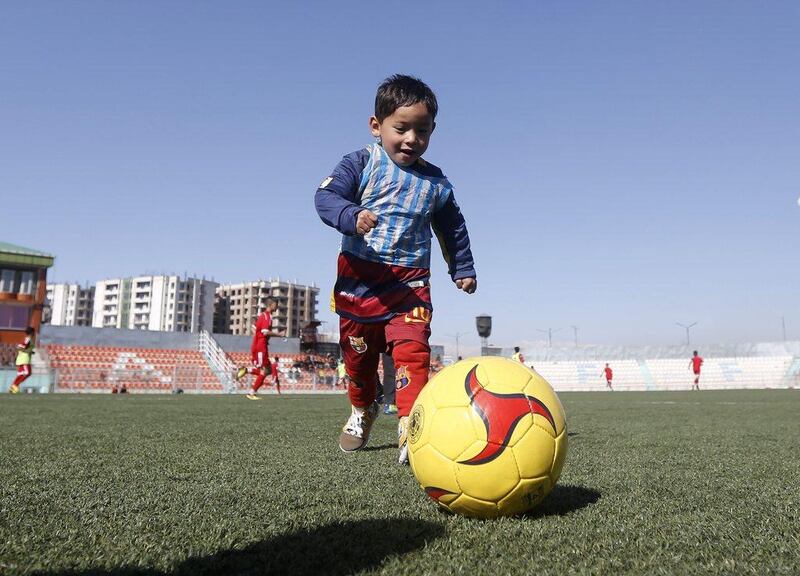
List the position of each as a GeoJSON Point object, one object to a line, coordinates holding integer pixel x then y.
{"type": "Point", "coordinates": [622, 165]}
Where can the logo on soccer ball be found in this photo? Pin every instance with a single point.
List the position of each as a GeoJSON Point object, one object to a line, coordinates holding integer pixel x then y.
{"type": "Point", "coordinates": [402, 379]}
{"type": "Point", "coordinates": [415, 421]}
{"type": "Point", "coordinates": [500, 414]}
{"type": "Point", "coordinates": [358, 344]}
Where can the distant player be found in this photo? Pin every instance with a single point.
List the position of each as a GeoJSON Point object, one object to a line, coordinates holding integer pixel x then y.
{"type": "Point", "coordinates": [276, 375]}
{"type": "Point", "coordinates": [259, 350]}
{"type": "Point", "coordinates": [24, 353]}
{"type": "Point", "coordinates": [517, 355]}
{"type": "Point", "coordinates": [695, 363]}
{"type": "Point", "coordinates": [609, 374]}
{"type": "Point", "coordinates": [388, 203]}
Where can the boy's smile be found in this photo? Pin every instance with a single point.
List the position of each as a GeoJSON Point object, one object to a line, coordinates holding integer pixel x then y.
{"type": "Point", "coordinates": [405, 134]}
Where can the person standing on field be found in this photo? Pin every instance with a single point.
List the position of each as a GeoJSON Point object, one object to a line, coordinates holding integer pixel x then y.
{"type": "Point", "coordinates": [388, 203]}
{"type": "Point", "coordinates": [259, 350]}
{"type": "Point", "coordinates": [24, 353]}
{"type": "Point", "coordinates": [695, 362]}
{"type": "Point", "coordinates": [609, 374]}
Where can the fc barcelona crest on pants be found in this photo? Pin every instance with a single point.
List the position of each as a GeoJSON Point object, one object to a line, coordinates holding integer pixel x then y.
{"type": "Point", "coordinates": [358, 344]}
{"type": "Point", "coordinates": [402, 378]}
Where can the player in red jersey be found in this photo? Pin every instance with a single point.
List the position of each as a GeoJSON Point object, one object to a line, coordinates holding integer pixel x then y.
{"type": "Point", "coordinates": [609, 374]}
{"type": "Point", "coordinates": [259, 350]}
{"type": "Point", "coordinates": [276, 375]}
{"type": "Point", "coordinates": [695, 363]}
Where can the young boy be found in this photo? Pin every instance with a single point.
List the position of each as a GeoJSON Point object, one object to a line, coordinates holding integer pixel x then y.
{"type": "Point", "coordinates": [259, 349]}
{"type": "Point", "coordinates": [384, 199]}
{"type": "Point", "coordinates": [24, 353]}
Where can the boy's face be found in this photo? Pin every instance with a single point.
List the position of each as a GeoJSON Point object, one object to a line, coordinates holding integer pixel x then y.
{"type": "Point", "coordinates": [405, 134]}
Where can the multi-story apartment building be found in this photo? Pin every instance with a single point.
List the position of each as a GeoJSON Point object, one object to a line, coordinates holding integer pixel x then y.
{"type": "Point", "coordinates": [237, 306]}
{"type": "Point", "coordinates": [168, 303]}
{"type": "Point", "coordinates": [69, 305]}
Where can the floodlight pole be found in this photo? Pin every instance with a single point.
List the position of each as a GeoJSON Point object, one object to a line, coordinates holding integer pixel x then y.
{"type": "Point", "coordinates": [457, 335]}
{"type": "Point", "coordinates": [549, 333]}
{"type": "Point", "coordinates": [575, 329]}
{"type": "Point", "coordinates": [783, 325]}
{"type": "Point", "coordinates": [687, 330]}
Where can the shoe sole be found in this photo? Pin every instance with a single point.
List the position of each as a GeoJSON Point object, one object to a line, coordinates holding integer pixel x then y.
{"type": "Point", "coordinates": [364, 440]}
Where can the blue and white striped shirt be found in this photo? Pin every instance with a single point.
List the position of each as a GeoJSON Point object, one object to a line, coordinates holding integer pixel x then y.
{"type": "Point", "coordinates": [404, 201]}
{"type": "Point", "coordinates": [407, 202]}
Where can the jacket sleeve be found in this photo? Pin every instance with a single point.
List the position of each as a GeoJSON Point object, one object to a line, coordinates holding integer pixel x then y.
{"type": "Point", "coordinates": [337, 199]}
{"type": "Point", "coordinates": [451, 230]}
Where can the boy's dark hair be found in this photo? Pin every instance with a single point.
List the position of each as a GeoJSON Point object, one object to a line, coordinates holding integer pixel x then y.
{"type": "Point", "coordinates": [401, 90]}
{"type": "Point", "coordinates": [30, 331]}
{"type": "Point", "coordinates": [516, 348]}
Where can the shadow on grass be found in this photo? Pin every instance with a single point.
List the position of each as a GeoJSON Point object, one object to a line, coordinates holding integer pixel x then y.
{"type": "Point", "coordinates": [338, 548]}
{"type": "Point", "coordinates": [563, 500]}
{"type": "Point", "coordinates": [379, 447]}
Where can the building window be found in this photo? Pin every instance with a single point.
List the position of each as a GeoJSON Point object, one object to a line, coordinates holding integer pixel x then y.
{"type": "Point", "coordinates": [14, 317]}
{"type": "Point", "coordinates": [7, 280]}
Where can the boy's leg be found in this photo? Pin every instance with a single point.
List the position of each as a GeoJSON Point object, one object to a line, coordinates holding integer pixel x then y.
{"type": "Point", "coordinates": [408, 340]}
{"type": "Point", "coordinates": [23, 371]}
{"type": "Point", "coordinates": [412, 360]}
{"type": "Point", "coordinates": [261, 367]}
{"type": "Point", "coordinates": [411, 354]}
{"type": "Point", "coordinates": [259, 381]}
{"type": "Point", "coordinates": [361, 346]}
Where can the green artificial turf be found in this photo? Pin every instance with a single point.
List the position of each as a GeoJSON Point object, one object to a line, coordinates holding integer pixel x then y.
{"type": "Point", "coordinates": [654, 483]}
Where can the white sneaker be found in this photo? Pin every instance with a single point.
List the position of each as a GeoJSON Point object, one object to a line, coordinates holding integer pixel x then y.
{"type": "Point", "coordinates": [402, 439]}
{"type": "Point", "coordinates": [355, 432]}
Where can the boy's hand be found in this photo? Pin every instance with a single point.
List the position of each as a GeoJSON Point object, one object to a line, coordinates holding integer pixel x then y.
{"type": "Point", "coordinates": [468, 285]}
{"type": "Point", "coordinates": [365, 222]}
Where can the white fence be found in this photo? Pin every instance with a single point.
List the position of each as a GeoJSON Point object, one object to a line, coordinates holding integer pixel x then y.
{"type": "Point", "coordinates": [674, 374]}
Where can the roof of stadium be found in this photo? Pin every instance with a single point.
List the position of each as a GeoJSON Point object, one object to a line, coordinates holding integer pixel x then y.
{"type": "Point", "coordinates": [13, 254]}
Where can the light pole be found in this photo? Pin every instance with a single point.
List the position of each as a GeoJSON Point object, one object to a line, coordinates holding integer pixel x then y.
{"type": "Point", "coordinates": [549, 333]}
{"type": "Point", "coordinates": [783, 325]}
{"type": "Point", "coordinates": [457, 335]}
{"type": "Point", "coordinates": [575, 329]}
{"type": "Point", "coordinates": [687, 329]}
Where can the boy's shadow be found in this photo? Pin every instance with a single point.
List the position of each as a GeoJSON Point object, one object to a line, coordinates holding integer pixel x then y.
{"type": "Point", "coordinates": [337, 548]}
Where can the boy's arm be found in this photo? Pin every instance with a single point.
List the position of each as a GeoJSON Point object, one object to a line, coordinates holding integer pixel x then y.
{"type": "Point", "coordinates": [451, 230]}
{"type": "Point", "coordinates": [336, 198]}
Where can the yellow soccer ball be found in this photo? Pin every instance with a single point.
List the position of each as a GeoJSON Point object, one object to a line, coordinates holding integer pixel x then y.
{"type": "Point", "coordinates": [487, 438]}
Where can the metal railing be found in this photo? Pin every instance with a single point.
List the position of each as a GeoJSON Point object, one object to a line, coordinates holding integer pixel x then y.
{"type": "Point", "coordinates": [219, 362]}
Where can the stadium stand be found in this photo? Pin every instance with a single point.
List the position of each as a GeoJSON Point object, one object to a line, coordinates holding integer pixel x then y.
{"type": "Point", "coordinates": [8, 354]}
{"type": "Point", "coordinates": [99, 369]}
{"type": "Point", "coordinates": [297, 372]}
{"type": "Point", "coordinates": [81, 359]}
{"type": "Point", "coordinates": [722, 373]}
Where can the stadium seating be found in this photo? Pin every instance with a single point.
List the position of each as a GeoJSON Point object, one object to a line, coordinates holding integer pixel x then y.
{"type": "Point", "coordinates": [670, 373]}
{"type": "Point", "coordinates": [99, 368]}
{"type": "Point", "coordinates": [8, 354]}
{"type": "Point", "coordinates": [319, 378]}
